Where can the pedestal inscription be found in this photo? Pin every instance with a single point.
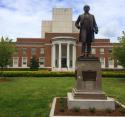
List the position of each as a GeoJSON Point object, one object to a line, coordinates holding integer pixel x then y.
{"type": "Point", "coordinates": [89, 75]}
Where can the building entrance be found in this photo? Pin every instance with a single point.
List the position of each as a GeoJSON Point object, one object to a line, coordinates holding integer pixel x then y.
{"type": "Point", "coordinates": [64, 63]}
{"type": "Point", "coordinates": [63, 53]}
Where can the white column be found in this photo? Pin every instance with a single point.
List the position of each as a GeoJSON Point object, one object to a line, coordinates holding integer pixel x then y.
{"type": "Point", "coordinates": [73, 56]}
{"type": "Point", "coordinates": [53, 55]}
{"type": "Point", "coordinates": [60, 51]}
{"type": "Point", "coordinates": [68, 55]}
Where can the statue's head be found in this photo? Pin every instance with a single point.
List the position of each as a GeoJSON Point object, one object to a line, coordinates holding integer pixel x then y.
{"type": "Point", "coordinates": [86, 8]}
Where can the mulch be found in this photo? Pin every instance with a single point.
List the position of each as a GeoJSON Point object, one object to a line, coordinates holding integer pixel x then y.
{"type": "Point", "coordinates": [85, 112]}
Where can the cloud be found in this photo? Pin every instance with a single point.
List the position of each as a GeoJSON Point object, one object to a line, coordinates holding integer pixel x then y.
{"type": "Point", "coordinates": [22, 18]}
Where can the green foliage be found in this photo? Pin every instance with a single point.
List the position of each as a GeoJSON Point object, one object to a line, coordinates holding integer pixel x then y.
{"type": "Point", "coordinates": [62, 109]}
{"type": "Point", "coordinates": [62, 104]}
{"type": "Point", "coordinates": [45, 73]}
{"type": "Point", "coordinates": [119, 50]}
{"type": "Point", "coordinates": [117, 105]}
{"type": "Point", "coordinates": [92, 109]}
{"type": "Point", "coordinates": [118, 74]}
{"type": "Point", "coordinates": [7, 49]}
{"type": "Point", "coordinates": [108, 110]}
{"type": "Point", "coordinates": [37, 74]}
{"type": "Point", "coordinates": [76, 109]}
{"type": "Point", "coordinates": [34, 63]}
{"type": "Point", "coordinates": [62, 100]}
{"type": "Point", "coordinates": [22, 69]}
{"type": "Point", "coordinates": [122, 111]}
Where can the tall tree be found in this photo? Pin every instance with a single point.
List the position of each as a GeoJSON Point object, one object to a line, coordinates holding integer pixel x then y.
{"type": "Point", "coordinates": [34, 63]}
{"type": "Point", "coordinates": [119, 50]}
{"type": "Point", "coordinates": [7, 48]}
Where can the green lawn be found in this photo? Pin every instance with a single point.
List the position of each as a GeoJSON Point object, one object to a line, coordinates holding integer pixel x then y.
{"type": "Point", "coordinates": [32, 97]}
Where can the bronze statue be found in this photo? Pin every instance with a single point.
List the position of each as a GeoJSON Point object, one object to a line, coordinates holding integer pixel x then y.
{"type": "Point", "coordinates": [87, 25]}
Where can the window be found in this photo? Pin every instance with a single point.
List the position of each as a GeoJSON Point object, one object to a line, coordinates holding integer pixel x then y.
{"type": "Point", "coordinates": [24, 61]}
{"type": "Point", "coordinates": [42, 51]}
{"type": "Point", "coordinates": [101, 50]}
{"type": "Point", "coordinates": [102, 60]}
{"type": "Point", "coordinates": [24, 51]}
{"type": "Point", "coordinates": [33, 51]}
{"type": "Point", "coordinates": [15, 61]}
{"type": "Point", "coordinates": [93, 51]}
{"type": "Point", "coordinates": [42, 61]}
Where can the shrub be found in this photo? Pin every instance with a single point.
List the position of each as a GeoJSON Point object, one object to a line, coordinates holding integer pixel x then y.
{"type": "Point", "coordinates": [123, 111]}
{"type": "Point", "coordinates": [108, 110]}
{"type": "Point", "coordinates": [62, 104]}
{"type": "Point", "coordinates": [62, 100]}
{"type": "Point", "coordinates": [117, 105]}
{"type": "Point", "coordinates": [92, 109]}
{"type": "Point", "coordinates": [34, 63]}
{"type": "Point", "coordinates": [113, 74]}
{"type": "Point", "coordinates": [21, 69]}
{"type": "Point", "coordinates": [62, 109]}
{"type": "Point", "coordinates": [76, 109]}
{"type": "Point", "coordinates": [46, 73]}
{"type": "Point", "coordinates": [36, 74]}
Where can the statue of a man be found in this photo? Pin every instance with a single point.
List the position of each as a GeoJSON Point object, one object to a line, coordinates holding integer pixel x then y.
{"type": "Point", "coordinates": [87, 25]}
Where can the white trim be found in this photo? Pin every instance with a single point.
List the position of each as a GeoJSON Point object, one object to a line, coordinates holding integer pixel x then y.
{"type": "Point", "coordinates": [42, 50]}
{"type": "Point", "coordinates": [68, 55]}
{"type": "Point", "coordinates": [60, 53]}
{"type": "Point", "coordinates": [73, 56]}
{"type": "Point", "coordinates": [63, 37]}
{"type": "Point", "coordinates": [53, 56]}
{"type": "Point", "coordinates": [102, 65]}
{"type": "Point", "coordinates": [93, 51]}
{"type": "Point", "coordinates": [24, 65]}
{"type": "Point", "coordinates": [101, 50]}
{"type": "Point", "coordinates": [17, 65]}
{"type": "Point", "coordinates": [41, 66]}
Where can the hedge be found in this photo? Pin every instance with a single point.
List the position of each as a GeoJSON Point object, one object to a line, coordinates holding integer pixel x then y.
{"type": "Point", "coordinates": [44, 73]}
{"type": "Point", "coordinates": [22, 69]}
{"type": "Point", "coordinates": [113, 74]}
{"type": "Point", "coordinates": [36, 74]}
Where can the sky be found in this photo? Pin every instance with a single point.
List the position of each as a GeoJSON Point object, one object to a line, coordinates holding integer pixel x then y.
{"type": "Point", "coordinates": [22, 18]}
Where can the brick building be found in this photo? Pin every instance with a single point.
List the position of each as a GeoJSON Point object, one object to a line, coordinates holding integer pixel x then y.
{"type": "Point", "coordinates": [58, 46]}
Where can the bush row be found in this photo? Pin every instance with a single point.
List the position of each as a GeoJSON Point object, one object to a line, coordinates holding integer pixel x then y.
{"type": "Point", "coordinates": [28, 69]}
{"type": "Point", "coordinates": [36, 74]}
{"type": "Point", "coordinates": [21, 69]}
{"type": "Point", "coordinates": [44, 73]}
{"type": "Point", "coordinates": [113, 74]}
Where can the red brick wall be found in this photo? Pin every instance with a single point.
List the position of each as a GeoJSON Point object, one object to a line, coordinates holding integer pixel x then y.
{"type": "Point", "coordinates": [46, 43]}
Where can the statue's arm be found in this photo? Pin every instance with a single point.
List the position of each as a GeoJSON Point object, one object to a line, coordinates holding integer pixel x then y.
{"type": "Point", "coordinates": [77, 23]}
{"type": "Point", "coordinates": [95, 25]}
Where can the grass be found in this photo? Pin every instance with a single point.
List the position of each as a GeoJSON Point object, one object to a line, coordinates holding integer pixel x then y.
{"type": "Point", "coordinates": [32, 97]}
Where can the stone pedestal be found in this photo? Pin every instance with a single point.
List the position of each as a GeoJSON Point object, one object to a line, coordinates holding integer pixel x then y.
{"type": "Point", "coordinates": [87, 91]}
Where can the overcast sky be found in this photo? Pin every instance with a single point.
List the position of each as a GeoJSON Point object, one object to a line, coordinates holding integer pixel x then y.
{"type": "Point", "coordinates": [22, 18]}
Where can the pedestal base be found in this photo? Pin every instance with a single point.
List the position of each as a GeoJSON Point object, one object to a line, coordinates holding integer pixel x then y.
{"type": "Point", "coordinates": [108, 103]}
{"type": "Point", "coordinates": [79, 94]}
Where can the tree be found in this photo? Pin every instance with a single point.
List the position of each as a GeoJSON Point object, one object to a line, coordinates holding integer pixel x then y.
{"type": "Point", "coordinates": [119, 50]}
{"type": "Point", "coordinates": [34, 63]}
{"type": "Point", "coordinates": [7, 49]}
